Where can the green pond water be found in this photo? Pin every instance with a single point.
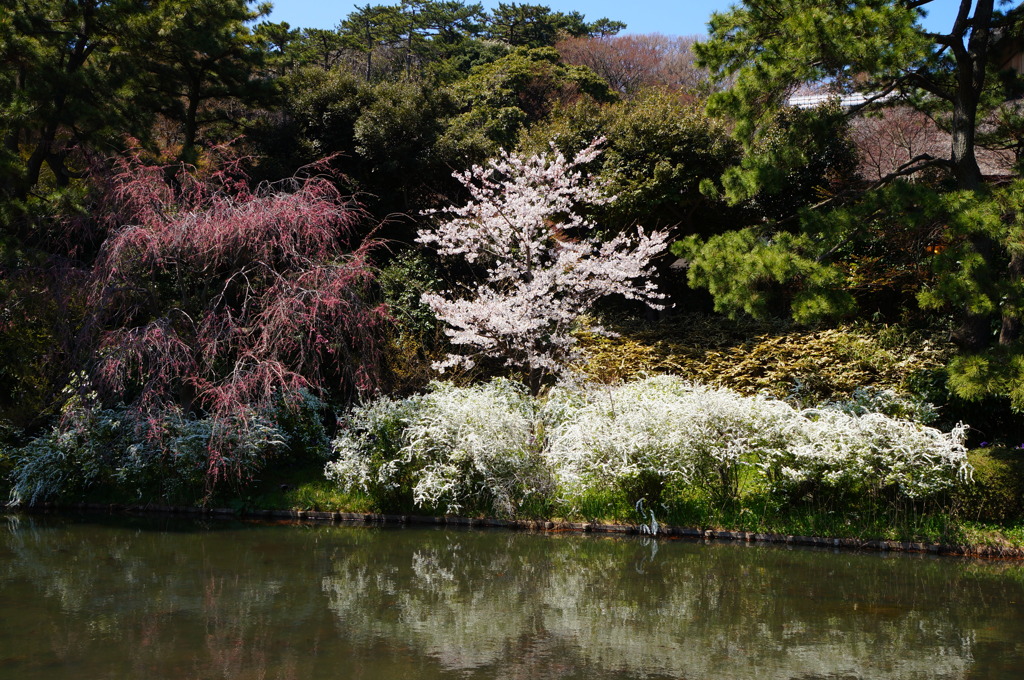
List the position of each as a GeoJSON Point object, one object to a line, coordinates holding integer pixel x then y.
{"type": "Point", "coordinates": [93, 598]}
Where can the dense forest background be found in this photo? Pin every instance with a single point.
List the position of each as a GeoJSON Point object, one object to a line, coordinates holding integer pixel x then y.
{"type": "Point", "coordinates": [209, 221]}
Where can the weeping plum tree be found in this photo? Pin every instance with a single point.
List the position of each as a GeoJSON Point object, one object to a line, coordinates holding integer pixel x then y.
{"type": "Point", "coordinates": [523, 234]}
{"type": "Point", "coordinates": [213, 299]}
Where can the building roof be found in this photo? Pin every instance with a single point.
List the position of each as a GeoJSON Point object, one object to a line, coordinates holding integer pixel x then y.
{"type": "Point", "coordinates": [846, 101]}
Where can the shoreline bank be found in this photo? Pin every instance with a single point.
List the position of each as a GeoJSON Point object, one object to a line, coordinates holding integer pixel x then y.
{"type": "Point", "coordinates": [540, 526]}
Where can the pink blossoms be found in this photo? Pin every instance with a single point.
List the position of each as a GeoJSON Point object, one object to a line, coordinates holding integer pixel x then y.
{"type": "Point", "coordinates": [537, 270]}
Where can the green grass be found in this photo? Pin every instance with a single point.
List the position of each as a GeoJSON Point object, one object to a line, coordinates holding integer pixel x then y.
{"type": "Point", "coordinates": [984, 512]}
{"type": "Point", "coordinates": [287, 486]}
{"type": "Point", "coordinates": [295, 487]}
{"type": "Point", "coordinates": [963, 519]}
{"type": "Point", "coordinates": [867, 521]}
{"type": "Point", "coordinates": [978, 533]}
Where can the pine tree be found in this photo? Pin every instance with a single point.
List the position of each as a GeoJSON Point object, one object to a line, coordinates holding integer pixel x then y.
{"type": "Point", "coordinates": [879, 50]}
{"type": "Point", "coordinates": [367, 28]}
{"type": "Point", "coordinates": [66, 81]}
{"type": "Point", "coordinates": [195, 51]}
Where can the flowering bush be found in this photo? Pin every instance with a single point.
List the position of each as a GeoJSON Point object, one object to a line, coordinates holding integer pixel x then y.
{"type": "Point", "coordinates": [867, 454]}
{"type": "Point", "coordinates": [457, 448]}
{"type": "Point", "coordinates": [538, 270]}
{"type": "Point", "coordinates": [477, 447]}
{"type": "Point", "coordinates": [112, 449]}
{"type": "Point", "coordinates": [221, 300]}
{"type": "Point", "coordinates": [663, 430]}
{"type": "Point", "coordinates": [369, 455]}
{"type": "Point", "coordinates": [865, 400]}
{"type": "Point", "coordinates": [492, 446]}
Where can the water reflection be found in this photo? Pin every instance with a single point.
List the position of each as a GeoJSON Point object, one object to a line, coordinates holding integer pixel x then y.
{"type": "Point", "coordinates": [688, 610]}
{"type": "Point", "coordinates": [84, 599]}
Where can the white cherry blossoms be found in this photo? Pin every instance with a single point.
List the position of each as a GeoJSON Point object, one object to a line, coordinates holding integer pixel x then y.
{"type": "Point", "coordinates": [538, 266]}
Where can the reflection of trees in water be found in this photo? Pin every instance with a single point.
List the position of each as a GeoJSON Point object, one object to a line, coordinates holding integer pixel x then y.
{"type": "Point", "coordinates": [719, 613]}
{"type": "Point", "coordinates": [624, 607]}
{"type": "Point", "coordinates": [141, 603]}
{"type": "Point", "coordinates": [350, 602]}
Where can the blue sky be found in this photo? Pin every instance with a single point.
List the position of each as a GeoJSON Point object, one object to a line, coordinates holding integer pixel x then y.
{"type": "Point", "coordinates": [671, 17]}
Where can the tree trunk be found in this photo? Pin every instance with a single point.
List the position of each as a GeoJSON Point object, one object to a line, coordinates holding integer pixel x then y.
{"type": "Point", "coordinates": [34, 165]}
{"type": "Point", "coordinates": [191, 131]}
{"type": "Point", "coordinates": [61, 175]}
{"type": "Point", "coordinates": [976, 331]}
{"type": "Point", "coordinates": [369, 52]}
{"type": "Point", "coordinates": [965, 162]}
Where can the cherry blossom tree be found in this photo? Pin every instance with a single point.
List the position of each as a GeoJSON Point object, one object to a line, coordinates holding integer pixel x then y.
{"type": "Point", "coordinates": [538, 268]}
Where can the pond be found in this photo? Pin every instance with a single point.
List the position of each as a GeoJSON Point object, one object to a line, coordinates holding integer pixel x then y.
{"type": "Point", "coordinates": [96, 597]}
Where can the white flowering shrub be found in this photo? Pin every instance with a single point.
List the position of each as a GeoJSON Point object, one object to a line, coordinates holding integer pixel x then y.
{"type": "Point", "coordinates": [369, 455]}
{"type": "Point", "coordinates": [866, 400]}
{"type": "Point", "coordinates": [478, 447]}
{"type": "Point", "coordinates": [643, 435]}
{"type": "Point", "coordinates": [868, 453]}
{"type": "Point", "coordinates": [665, 429]}
{"type": "Point", "coordinates": [539, 267]}
{"type": "Point", "coordinates": [455, 448]}
{"type": "Point", "coordinates": [492, 446]}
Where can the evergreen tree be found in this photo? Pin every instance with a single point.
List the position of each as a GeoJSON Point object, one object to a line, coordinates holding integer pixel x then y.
{"type": "Point", "coordinates": [82, 76]}
{"type": "Point", "coordinates": [879, 50]}
{"type": "Point", "coordinates": [367, 28]}
{"type": "Point", "coordinates": [276, 40]}
{"type": "Point", "coordinates": [523, 25]}
{"type": "Point", "coordinates": [500, 99]}
{"type": "Point", "coordinates": [195, 51]}
{"type": "Point", "coordinates": [318, 47]}
{"type": "Point", "coordinates": [65, 81]}
{"type": "Point", "coordinates": [452, 20]}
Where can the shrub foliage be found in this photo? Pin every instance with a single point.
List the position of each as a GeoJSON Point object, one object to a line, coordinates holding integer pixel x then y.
{"type": "Point", "coordinates": [211, 305]}
{"type": "Point", "coordinates": [494, 447]}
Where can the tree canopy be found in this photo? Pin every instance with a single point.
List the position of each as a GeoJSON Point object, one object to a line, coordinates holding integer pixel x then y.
{"type": "Point", "coordinates": [878, 48]}
{"type": "Point", "coordinates": [869, 55]}
{"type": "Point", "coordinates": [85, 75]}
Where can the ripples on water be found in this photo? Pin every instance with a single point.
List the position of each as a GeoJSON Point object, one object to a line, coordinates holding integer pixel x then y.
{"type": "Point", "coordinates": [145, 598]}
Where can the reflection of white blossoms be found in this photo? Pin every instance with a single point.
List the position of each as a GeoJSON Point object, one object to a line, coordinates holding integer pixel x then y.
{"type": "Point", "coordinates": [428, 568]}
{"type": "Point", "coordinates": [283, 603]}
{"type": "Point", "coordinates": [429, 604]}
{"type": "Point", "coordinates": [701, 627]}
{"type": "Point", "coordinates": [693, 611]}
